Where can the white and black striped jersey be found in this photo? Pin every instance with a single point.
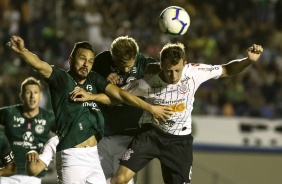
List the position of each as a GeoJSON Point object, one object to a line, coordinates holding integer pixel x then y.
{"type": "Point", "coordinates": [179, 96]}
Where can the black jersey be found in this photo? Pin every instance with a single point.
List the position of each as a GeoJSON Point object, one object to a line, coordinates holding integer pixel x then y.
{"type": "Point", "coordinates": [121, 119]}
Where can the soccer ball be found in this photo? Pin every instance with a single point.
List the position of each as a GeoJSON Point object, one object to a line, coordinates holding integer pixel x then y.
{"type": "Point", "coordinates": [174, 20]}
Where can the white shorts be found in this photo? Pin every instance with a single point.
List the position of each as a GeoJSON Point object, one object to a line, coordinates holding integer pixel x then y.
{"type": "Point", "coordinates": [20, 179]}
{"type": "Point", "coordinates": [79, 166]}
{"type": "Point", "coordinates": [111, 150]}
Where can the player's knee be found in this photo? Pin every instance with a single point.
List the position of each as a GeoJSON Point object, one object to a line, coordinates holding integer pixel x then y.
{"type": "Point", "coordinates": [119, 179]}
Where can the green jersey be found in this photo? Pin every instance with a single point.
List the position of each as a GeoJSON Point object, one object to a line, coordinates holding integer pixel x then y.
{"type": "Point", "coordinates": [76, 121]}
{"type": "Point", "coordinates": [26, 134]}
{"type": "Point", "coordinates": [121, 119]}
{"type": "Point", "coordinates": [6, 153]}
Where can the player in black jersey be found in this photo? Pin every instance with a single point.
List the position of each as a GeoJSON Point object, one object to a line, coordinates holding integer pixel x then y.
{"type": "Point", "coordinates": [120, 65]}
{"type": "Point", "coordinates": [80, 124]}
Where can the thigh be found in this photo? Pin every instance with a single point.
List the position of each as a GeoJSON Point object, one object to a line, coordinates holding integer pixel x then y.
{"type": "Point", "coordinates": [140, 151]}
{"type": "Point", "coordinates": [80, 165]}
{"type": "Point", "coordinates": [177, 169]}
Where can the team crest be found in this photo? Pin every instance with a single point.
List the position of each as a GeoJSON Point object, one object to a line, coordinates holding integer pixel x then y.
{"type": "Point", "coordinates": [126, 155]}
{"type": "Point", "coordinates": [39, 129]}
{"type": "Point", "coordinates": [183, 89]}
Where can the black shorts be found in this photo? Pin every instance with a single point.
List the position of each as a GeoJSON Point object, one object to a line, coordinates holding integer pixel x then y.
{"type": "Point", "coordinates": [174, 153]}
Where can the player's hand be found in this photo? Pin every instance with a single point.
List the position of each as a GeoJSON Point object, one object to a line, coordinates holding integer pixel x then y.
{"type": "Point", "coordinates": [161, 112]}
{"type": "Point", "coordinates": [17, 44]}
{"type": "Point", "coordinates": [113, 78]}
{"type": "Point", "coordinates": [254, 52]}
{"type": "Point", "coordinates": [32, 156]}
{"type": "Point", "coordinates": [79, 95]}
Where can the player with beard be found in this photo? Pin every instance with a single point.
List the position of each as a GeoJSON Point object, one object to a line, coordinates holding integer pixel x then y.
{"type": "Point", "coordinates": [80, 124]}
{"type": "Point", "coordinates": [27, 127]}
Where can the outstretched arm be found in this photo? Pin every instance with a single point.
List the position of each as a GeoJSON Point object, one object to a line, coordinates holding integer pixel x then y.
{"type": "Point", "coordinates": [158, 112]}
{"type": "Point", "coordinates": [117, 95]}
{"type": "Point", "coordinates": [17, 44]}
{"type": "Point", "coordinates": [236, 66]}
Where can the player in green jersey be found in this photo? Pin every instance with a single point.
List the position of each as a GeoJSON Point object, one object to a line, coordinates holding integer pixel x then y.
{"type": "Point", "coordinates": [80, 124]}
{"type": "Point", "coordinates": [27, 127]}
{"type": "Point", "coordinates": [120, 65]}
{"type": "Point", "coordinates": [7, 163]}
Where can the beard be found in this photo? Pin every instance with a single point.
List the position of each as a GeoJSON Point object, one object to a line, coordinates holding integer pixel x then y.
{"type": "Point", "coordinates": [78, 73]}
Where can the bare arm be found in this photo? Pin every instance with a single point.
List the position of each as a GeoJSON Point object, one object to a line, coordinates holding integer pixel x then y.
{"type": "Point", "coordinates": [121, 96]}
{"type": "Point", "coordinates": [158, 112]}
{"type": "Point", "coordinates": [17, 44]}
{"type": "Point", "coordinates": [80, 95]}
{"type": "Point", "coordinates": [9, 169]}
{"type": "Point", "coordinates": [33, 164]}
{"type": "Point", "coordinates": [236, 66]}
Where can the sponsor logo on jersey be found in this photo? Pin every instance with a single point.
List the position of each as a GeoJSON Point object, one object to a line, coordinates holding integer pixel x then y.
{"type": "Point", "coordinates": [130, 79]}
{"type": "Point", "coordinates": [39, 129]}
{"type": "Point", "coordinates": [89, 87]}
{"type": "Point", "coordinates": [40, 121]}
{"type": "Point", "coordinates": [127, 154]}
{"type": "Point", "coordinates": [209, 69]}
{"type": "Point", "coordinates": [28, 136]}
{"type": "Point", "coordinates": [19, 119]}
{"type": "Point", "coordinates": [93, 105]}
{"type": "Point", "coordinates": [185, 79]}
{"type": "Point", "coordinates": [168, 102]}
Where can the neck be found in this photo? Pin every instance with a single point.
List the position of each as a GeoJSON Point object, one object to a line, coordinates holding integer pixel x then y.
{"type": "Point", "coordinates": [30, 113]}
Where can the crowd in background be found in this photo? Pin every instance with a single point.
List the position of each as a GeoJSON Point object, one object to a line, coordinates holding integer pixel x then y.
{"type": "Point", "coordinates": [219, 32]}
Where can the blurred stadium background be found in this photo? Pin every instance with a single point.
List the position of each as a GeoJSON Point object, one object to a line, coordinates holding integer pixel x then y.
{"type": "Point", "coordinates": [220, 30]}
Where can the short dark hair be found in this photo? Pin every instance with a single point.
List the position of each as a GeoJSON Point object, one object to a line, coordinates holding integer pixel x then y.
{"type": "Point", "coordinates": [81, 45]}
{"type": "Point", "coordinates": [172, 53]}
{"type": "Point", "coordinates": [124, 48]}
{"type": "Point", "coordinates": [30, 81]}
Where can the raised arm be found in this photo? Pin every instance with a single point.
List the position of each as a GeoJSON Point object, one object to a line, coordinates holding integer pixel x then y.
{"type": "Point", "coordinates": [33, 164]}
{"type": "Point", "coordinates": [236, 66]}
{"type": "Point", "coordinates": [17, 44]}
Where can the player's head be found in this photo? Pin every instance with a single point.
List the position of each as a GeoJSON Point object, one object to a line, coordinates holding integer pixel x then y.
{"type": "Point", "coordinates": [81, 60]}
{"type": "Point", "coordinates": [31, 93]}
{"type": "Point", "coordinates": [124, 50]}
{"type": "Point", "coordinates": [173, 60]}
